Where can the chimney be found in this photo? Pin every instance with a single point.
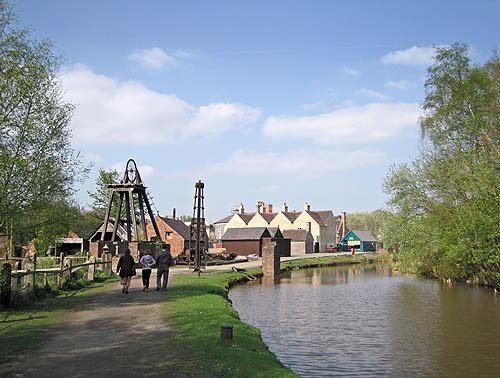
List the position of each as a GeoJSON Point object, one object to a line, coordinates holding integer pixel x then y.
{"type": "Point", "coordinates": [269, 208]}
{"type": "Point", "coordinates": [260, 205]}
{"type": "Point", "coordinates": [307, 207]}
{"type": "Point", "coordinates": [285, 207]}
{"type": "Point", "coordinates": [343, 219]}
{"type": "Point", "coordinates": [241, 209]}
{"type": "Point", "coordinates": [173, 213]}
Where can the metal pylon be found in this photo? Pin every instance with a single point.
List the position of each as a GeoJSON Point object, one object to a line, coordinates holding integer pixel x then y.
{"type": "Point", "coordinates": [198, 230]}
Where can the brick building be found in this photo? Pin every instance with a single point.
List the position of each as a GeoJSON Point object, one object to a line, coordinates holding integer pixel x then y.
{"type": "Point", "coordinates": [172, 231]}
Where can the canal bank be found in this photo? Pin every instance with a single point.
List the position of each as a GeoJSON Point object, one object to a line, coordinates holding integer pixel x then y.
{"type": "Point", "coordinates": [196, 307]}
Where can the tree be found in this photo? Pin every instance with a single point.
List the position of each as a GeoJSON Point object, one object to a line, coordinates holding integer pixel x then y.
{"type": "Point", "coordinates": [445, 204]}
{"type": "Point", "coordinates": [371, 221]}
{"type": "Point", "coordinates": [38, 166]}
{"type": "Point", "coordinates": [100, 197]}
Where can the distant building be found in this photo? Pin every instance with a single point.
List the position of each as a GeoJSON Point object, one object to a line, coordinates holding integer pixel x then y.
{"type": "Point", "coordinates": [320, 224]}
{"type": "Point", "coordinates": [360, 240]}
{"type": "Point", "coordinates": [220, 227]}
{"type": "Point", "coordinates": [173, 232]}
{"type": "Point", "coordinates": [301, 241]}
{"type": "Point", "coordinates": [249, 240]}
{"type": "Point", "coordinates": [121, 231]}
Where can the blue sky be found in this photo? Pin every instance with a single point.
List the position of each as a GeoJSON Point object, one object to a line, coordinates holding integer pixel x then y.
{"type": "Point", "coordinates": [281, 101]}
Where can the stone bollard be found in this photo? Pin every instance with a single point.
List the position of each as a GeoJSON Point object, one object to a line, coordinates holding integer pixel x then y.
{"type": "Point", "coordinates": [270, 258]}
{"type": "Point", "coordinates": [91, 270]}
{"type": "Point", "coordinates": [5, 285]}
{"type": "Point", "coordinates": [226, 332]}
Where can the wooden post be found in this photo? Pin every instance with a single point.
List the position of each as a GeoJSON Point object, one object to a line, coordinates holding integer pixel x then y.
{"type": "Point", "coordinates": [5, 285]}
{"type": "Point", "coordinates": [226, 332]}
{"type": "Point", "coordinates": [91, 270]}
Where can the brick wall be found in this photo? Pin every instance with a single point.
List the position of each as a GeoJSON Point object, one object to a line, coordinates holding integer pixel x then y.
{"type": "Point", "coordinates": [175, 241]}
{"type": "Point", "coordinates": [270, 258]}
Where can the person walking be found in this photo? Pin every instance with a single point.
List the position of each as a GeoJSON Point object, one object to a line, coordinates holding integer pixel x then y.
{"type": "Point", "coordinates": [164, 262]}
{"type": "Point", "coordinates": [147, 261]}
{"type": "Point", "coordinates": [126, 269]}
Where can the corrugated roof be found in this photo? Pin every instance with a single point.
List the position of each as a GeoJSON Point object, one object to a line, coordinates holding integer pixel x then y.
{"type": "Point", "coordinates": [178, 226]}
{"type": "Point", "coordinates": [364, 235]}
{"type": "Point", "coordinates": [296, 235]}
{"type": "Point", "coordinates": [246, 233]}
{"type": "Point", "coordinates": [225, 219]}
{"type": "Point", "coordinates": [291, 215]}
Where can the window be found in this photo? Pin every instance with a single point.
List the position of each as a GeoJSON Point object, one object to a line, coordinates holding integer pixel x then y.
{"type": "Point", "coordinates": [168, 234]}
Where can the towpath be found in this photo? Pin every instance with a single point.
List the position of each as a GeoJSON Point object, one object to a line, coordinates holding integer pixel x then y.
{"type": "Point", "coordinates": [113, 335]}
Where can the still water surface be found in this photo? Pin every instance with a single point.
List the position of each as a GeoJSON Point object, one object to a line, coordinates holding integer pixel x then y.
{"type": "Point", "coordinates": [363, 321]}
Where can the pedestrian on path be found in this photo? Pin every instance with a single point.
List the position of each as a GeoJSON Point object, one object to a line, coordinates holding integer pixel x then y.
{"type": "Point", "coordinates": [147, 261]}
{"type": "Point", "coordinates": [126, 269]}
{"type": "Point", "coordinates": [164, 262]}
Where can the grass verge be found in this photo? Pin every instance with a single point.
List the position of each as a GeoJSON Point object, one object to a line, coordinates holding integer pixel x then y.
{"type": "Point", "coordinates": [23, 330]}
{"type": "Point", "coordinates": [197, 307]}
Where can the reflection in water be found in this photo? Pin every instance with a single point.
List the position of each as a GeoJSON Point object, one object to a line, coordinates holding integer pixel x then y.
{"type": "Point", "coordinates": [363, 321]}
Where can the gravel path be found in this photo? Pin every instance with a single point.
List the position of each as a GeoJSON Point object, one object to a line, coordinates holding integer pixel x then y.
{"type": "Point", "coordinates": [114, 335]}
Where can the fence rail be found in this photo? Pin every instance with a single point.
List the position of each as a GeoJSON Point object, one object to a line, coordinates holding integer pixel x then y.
{"type": "Point", "coordinates": [24, 281]}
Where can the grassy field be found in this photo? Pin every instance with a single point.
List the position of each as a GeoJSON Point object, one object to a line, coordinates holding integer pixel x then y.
{"type": "Point", "coordinates": [197, 307]}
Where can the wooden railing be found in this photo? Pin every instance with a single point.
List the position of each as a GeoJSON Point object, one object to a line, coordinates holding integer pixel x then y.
{"type": "Point", "coordinates": [24, 281]}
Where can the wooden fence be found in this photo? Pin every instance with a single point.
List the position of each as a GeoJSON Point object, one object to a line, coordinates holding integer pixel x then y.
{"type": "Point", "coordinates": [25, 281]}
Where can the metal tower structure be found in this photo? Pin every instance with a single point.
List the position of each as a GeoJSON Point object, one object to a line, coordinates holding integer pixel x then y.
{"type": "Point", "coordinates": [130, 192]}
{"type": "Point", "coordinates": [198, 229]}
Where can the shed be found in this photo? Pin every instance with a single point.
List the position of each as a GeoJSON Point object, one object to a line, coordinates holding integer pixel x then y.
{"type": "Point", "coordinates": [361, 240]}
{"type": "Point", "coordinates": [245, 241]}
{"type": "Point", "coordinates": [301, 241]}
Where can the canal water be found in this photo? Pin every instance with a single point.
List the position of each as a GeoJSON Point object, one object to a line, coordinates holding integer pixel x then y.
{"type": "Point", "coordinates": [366, 321]}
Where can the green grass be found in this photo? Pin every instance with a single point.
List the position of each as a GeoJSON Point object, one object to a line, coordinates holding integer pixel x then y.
{"type": "Point", "coordinates": [196, 307]}
{"type": "Point", "coordinates": [23, 330]}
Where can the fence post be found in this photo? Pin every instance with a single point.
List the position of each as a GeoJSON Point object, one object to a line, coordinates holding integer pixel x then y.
{"type": "Point", "coordinates": [91, 270]}
{"type": "Point", "coordinates": [5, 285]}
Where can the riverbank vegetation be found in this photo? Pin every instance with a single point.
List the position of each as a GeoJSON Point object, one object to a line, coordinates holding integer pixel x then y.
{"type": "Point", "coordinates": [197, 307]}
{"type": "Point", "coordinates": [445, 205]}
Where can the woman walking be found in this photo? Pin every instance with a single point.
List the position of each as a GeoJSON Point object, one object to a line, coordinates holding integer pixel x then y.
{"type": "Point", "coordinates": [147, 261]}
{"type": "Point", "coordinates": [126, 269]}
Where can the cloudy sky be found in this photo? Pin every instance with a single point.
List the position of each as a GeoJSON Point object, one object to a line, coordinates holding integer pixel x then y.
{"type": "Point", "coordinates": [281, 101]}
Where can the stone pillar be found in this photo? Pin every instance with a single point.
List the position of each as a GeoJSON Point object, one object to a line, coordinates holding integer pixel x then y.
{"type": "Point", "coordinates": [91, 269]}
{"type": "Point", "coordinates": [270, 258]}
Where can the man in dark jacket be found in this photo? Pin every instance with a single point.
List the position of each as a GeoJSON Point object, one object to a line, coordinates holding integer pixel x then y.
{"type": "Point", "coordinates": [126, 269]}
{"type": "Point", "coordinates": [164, 262]}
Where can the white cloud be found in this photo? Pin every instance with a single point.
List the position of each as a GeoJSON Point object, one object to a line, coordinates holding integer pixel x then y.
{"type": "Point", "coordinates": [355, 124]}
{"type": "Point", "coordinates": [371, 94]}
{"type": "Point", "coordinates": [154, 58]}
{"type": "Point", "coordinates": [109, 111]}
{"type": "Point", "coordinates": [415, 55]}
{"type": "Point", "coordinates": [306, 162]}
{"type": "Point", "coordinates": [350, 71]}
{"type": "Point", "coordinates": [402, 85]}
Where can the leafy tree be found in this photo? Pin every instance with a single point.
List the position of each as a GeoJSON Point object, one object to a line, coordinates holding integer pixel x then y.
{"type": "Point", "coordinates": [38, 166]}
{"type": "Point", "coordinates": [100, 197]}
{"type": "Point", "coordinates": [445, 204]}
{"type": "Point", "coordinates": [371, 221]}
